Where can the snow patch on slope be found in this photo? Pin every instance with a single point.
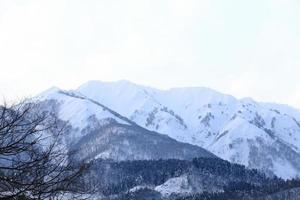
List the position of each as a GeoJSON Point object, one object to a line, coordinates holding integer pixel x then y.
{"type": "Point", "coordinates": [178, 185]}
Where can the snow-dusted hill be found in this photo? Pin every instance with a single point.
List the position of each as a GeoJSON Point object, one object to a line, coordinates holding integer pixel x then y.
{"type": "Point", "coordinates": [259, 135]}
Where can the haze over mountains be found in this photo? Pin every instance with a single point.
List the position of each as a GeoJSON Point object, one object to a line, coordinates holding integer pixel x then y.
{"type": "Point", "coordinates": [131, 119]}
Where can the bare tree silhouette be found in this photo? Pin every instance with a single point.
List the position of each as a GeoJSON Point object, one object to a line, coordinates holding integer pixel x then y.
{"type": "Point", "coordinates": [34, 163]}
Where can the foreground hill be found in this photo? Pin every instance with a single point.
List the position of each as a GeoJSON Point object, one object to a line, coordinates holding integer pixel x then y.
{"type": "Point", "coordinates": [199, 179]}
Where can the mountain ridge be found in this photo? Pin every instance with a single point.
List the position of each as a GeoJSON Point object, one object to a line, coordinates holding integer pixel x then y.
{"type": "Point", "coordinates": [234, 129]}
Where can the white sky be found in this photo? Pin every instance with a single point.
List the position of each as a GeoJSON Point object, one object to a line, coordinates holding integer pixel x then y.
{"type": "Point", "coordinates": [240, 47]}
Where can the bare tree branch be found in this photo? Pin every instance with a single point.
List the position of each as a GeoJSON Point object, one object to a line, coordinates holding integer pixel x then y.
{"type": "Point", "coordinates": [34, 164]}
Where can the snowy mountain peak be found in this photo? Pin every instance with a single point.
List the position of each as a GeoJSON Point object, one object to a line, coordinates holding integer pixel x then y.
{"type": "Point", "coordinates": [101, 85]}
{"type": "Point", "coordinates": [49, 92]}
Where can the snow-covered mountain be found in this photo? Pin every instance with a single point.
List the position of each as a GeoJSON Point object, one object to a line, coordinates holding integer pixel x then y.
{"type": "Point", "coordinates": [96, 131]}
{"type": "Point", "coordinates": [259, 135]}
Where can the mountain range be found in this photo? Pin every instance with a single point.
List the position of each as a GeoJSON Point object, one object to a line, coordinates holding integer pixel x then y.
{"type": "Point", "coordinates": [125, 121]}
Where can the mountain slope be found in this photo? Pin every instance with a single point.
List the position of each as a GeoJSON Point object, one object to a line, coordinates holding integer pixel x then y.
{"type": "Point", "coordinates": [259, 135]}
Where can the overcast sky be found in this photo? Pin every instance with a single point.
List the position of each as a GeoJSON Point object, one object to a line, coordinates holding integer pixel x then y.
{"type": "Point", "coordinates": [240, 47]}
